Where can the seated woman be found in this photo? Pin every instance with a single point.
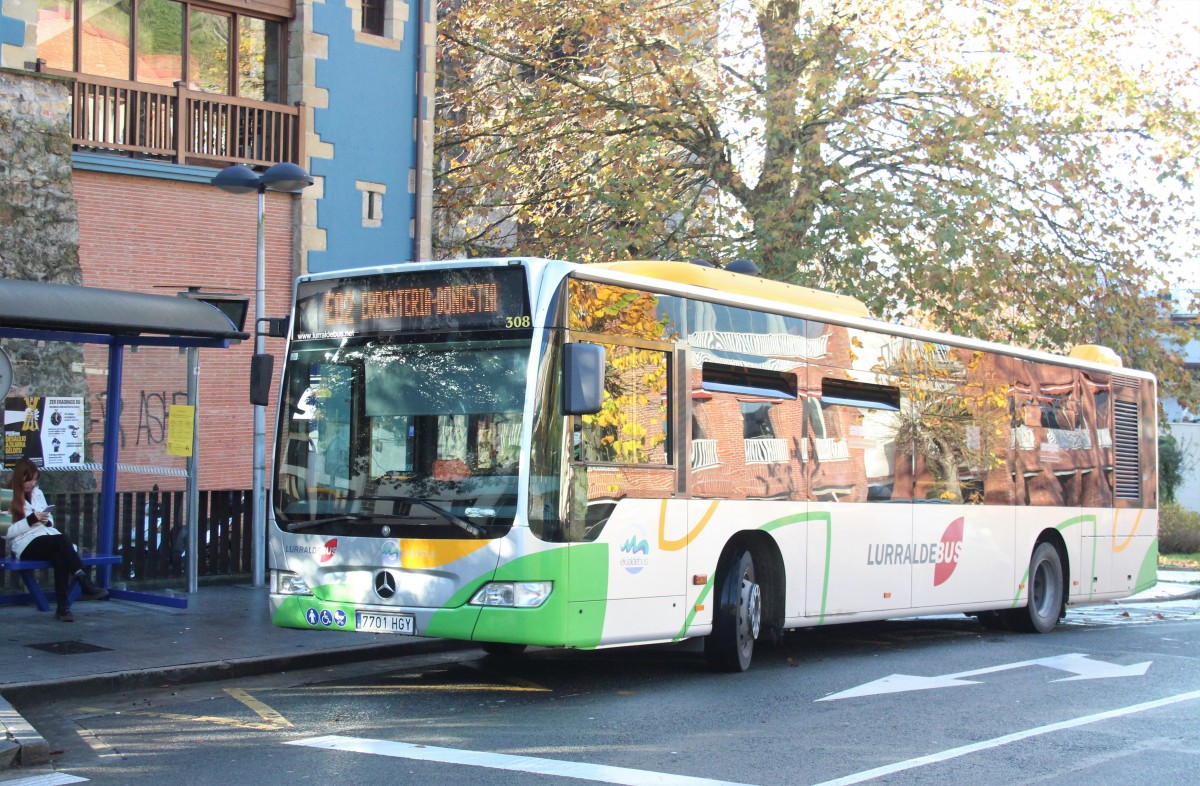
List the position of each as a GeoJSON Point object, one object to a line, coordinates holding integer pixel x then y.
{"type": "Point", "coordinates": [33, 536]}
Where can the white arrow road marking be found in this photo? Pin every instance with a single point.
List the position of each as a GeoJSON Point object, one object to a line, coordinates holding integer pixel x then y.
{"type": "Point", "coordinates": [500, 761]}
{"type": "Point", "coordinates": [1083, 667]}
{"type": "Point", "coordinates": [49, 779]}
{"type": "Point", "coordinates": [996, 742]}
{"type": "Point", "coordinates": [898, 683]}
{"type": "Point", "coordinates": [1087, 669]}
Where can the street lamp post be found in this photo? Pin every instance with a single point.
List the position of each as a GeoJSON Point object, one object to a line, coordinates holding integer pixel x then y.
{"type": "Point", "coordinates": [238, 179]}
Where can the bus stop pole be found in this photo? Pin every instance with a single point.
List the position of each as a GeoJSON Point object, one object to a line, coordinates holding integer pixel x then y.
{"type": "Point", "coordinates": [258, 509]}
{"type": "Point", "coordinates": [193, 469]}
{"type": "Point", "coordinates": [108, 473]}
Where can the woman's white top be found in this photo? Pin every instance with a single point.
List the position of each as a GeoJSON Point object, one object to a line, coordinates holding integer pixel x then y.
{"type": "Point", "coordinates": [21, 531]}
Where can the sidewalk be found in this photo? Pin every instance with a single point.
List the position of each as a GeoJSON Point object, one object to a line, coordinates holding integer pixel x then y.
{"type": "Point", "coordinates": [225, 632]}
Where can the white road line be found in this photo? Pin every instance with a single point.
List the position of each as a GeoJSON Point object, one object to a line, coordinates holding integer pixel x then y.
{"type": "Point", "coordinates": [49, 779]}
{"type": "Point", "coordinates": [996, 742]}
{"type": "Point", "coordinates": [501, 761]}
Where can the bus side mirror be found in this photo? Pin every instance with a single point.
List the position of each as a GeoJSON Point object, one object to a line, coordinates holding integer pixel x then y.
{"type": "Point", "coordinates": [261, 370]}
{"type": "Point", "coordinates": [583, 379]}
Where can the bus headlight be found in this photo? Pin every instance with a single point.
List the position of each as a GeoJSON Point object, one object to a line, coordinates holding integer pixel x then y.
{"type": "Point", "coordinates": [288, 583]}
{"type": "Point", "coordinates": [513, 594]}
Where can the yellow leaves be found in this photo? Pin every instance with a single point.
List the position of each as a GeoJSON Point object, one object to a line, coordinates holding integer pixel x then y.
{"type": "Point", "coordinates": [610, 309]}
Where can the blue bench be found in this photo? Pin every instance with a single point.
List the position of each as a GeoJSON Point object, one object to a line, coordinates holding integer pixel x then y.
{"type": "Point", "coordinates": [26, 568]}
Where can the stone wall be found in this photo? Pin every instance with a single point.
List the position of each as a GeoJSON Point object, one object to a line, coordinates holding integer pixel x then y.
{"type": "Point", "coordinates": [39, 231]}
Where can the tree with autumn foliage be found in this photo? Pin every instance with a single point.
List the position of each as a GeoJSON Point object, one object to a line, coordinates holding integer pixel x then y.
{"type": "Point", "coordinates": [1016, 171]}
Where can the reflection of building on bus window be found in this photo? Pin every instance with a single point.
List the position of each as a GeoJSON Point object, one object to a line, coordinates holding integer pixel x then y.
{"type": "Point", "coordinates": [489, 442]}
{"type": "Point", "coordinates": [498, 441]}
{"type": "Point", "coordinates": [391, 445]}
{"type": "Point", "coordinates": [451, 437]}
{"type": "Point", "coordinates": [333, 445]}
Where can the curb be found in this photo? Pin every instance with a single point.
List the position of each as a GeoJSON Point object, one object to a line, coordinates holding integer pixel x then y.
{"type": "Point", "coordinates": [1189, 595]}
{"type": "Point", "coordinates": [1180, 591]}
{"type": "Point", "coordinates": [22, 746]}
{"type": "Point", "coordinates": [25, 747]}
{"type": "Point", "coordinates": [207, 671]}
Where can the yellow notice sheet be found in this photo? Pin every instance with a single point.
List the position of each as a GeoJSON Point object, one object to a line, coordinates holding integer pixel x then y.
{"type": "Point", "coordinates": [180, 422]}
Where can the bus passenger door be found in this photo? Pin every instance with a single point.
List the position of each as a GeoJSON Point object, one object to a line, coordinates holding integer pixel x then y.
{"type": "Point", "coordinates": [624, 515]}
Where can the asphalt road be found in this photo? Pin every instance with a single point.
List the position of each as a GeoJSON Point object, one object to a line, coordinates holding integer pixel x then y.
{"type": "Point", "coordinates": [1112, 696]}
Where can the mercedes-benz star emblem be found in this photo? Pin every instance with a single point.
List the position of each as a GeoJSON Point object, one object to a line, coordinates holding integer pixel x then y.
{"type": "Point", "coordinates": [385, 585]}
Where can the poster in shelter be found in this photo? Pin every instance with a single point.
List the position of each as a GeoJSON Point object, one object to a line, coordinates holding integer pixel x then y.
{"type": "Point", "coordinates": [49, 430]}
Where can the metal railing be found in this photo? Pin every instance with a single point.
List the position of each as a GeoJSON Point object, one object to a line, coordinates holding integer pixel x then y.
{"type": "Point", "coordinates": [760, 450]}
{"type": "Point", "coordinates": [150, 532]}
{"type": "Point", "coordinates": [182, 125]}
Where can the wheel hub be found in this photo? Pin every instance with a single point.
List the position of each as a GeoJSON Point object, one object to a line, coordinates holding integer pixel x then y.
{"type": "Point", "coordinates": [751, 608]}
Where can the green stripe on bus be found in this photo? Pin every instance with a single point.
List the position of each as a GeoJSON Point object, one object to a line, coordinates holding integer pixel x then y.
{"type": "Point", "coordinates": [1060, 527]}
{"type": "Point", "coordinates": [558, 622]}
{"type": "Point", "coordinates": [798, 518]}
{"type": "Point", "coordinates": [1148, 573]}
{"type": "Point", "coordinates": [687, 623]}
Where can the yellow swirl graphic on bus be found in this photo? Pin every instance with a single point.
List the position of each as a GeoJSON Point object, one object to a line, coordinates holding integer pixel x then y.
{"type": "Point", "coordinates": [1137, 522]}
{"type": "Point", "coordinates": [422, 554]}
{"type": "Point", "coordinates": [679, 543]}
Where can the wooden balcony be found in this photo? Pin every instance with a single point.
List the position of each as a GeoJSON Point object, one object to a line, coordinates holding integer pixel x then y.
{"type": "Point", "coordinates": [181, 125]}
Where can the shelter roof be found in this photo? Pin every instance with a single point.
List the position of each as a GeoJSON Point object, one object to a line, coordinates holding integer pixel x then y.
{"type": "Point", "coordinates": [38, 305]}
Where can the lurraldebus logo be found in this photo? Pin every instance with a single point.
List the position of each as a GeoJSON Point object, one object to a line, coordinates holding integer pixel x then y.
{"type": "Point", "coordinates": [635, 551]}
{"type": "Point", "coordinates": [948, 552]}
{"type": "Point", "coordinates": [326, 550]}
{"type": "Point", "coordinates": [943, 555]}
{"type": "Point", "coordinates": [390, 553]}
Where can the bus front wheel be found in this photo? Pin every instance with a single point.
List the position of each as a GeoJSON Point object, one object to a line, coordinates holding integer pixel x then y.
{"type": "Point", "coordinates": [737, 617]}
{"type": "Point", "coordinates": [1046, 599]}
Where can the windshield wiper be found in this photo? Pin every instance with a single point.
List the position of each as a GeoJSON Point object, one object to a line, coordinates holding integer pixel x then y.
{"type": "Point", "coordinates": [457, 521]}
{"type": "Point", "coordinates": [296, 526]}
{"type": "Point", "coordinates": [447, 515]}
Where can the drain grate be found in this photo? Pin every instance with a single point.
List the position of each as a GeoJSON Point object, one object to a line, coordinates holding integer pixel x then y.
{"type": "Point", "coordinates": [68, 647]}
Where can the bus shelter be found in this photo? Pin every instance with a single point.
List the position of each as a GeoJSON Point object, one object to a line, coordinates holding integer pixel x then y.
{"type": "Point", "coordinates": [42, 311]}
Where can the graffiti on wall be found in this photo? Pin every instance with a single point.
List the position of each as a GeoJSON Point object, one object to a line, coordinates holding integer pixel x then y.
{"type": "Point", "coordinates": [152, 415]}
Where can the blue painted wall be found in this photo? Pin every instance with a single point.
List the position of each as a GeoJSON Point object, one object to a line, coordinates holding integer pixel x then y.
{"type": "Point", "coordinates": [12, 31]}
{"type": "Point", "coordinates": [369, 122]}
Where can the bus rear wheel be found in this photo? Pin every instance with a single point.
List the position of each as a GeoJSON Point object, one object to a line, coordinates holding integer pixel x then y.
{"type": "Point", "coordinates": [1046, 598]}
{"type": "Point", "coordinates": [737, 618]}
{"type": "Point", "coordinates": [501, 649]}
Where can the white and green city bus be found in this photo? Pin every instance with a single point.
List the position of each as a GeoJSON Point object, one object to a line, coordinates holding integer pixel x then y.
{"type": "Point", "coordinates": [531, 452]}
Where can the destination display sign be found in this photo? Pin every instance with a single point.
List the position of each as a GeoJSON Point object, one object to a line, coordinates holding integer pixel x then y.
{"type": "Point", "coordinates": [481, 298]}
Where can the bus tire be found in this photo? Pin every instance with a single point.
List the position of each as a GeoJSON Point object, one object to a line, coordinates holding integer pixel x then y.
{"type": "Point", "coordinates": [502, 649]}
{"type": "Point", "coordinates": [737, 616]}
{"type": "Point", "coordinates": [1045, 597]}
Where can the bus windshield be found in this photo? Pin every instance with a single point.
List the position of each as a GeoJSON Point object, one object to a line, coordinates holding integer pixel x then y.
{"type": "Point", "coordinates": [387, 437]}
